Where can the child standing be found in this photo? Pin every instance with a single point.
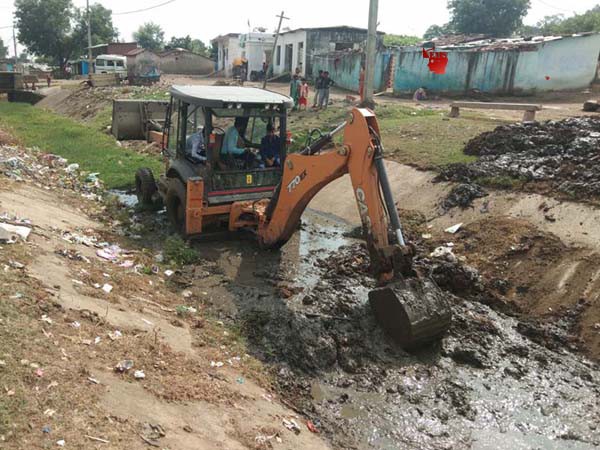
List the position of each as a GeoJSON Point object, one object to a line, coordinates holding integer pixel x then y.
{"type": "Point", "coordinates": [304, 92]}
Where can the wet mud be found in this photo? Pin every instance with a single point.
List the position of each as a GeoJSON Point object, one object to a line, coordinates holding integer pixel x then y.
{"type": "Point", "coordinates": [493, 381]}
{"type": "Point", "coordinates": [561, 155]}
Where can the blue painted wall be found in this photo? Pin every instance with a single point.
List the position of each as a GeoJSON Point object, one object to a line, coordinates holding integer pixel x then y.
{"type": "Point", "coordinates": [344, 69]}
{"type": "Point", "coordinates": [570, 63]}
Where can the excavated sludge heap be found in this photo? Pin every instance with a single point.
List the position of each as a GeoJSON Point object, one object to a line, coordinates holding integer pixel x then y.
{"type": "Point", "coordinates": [564, 153]}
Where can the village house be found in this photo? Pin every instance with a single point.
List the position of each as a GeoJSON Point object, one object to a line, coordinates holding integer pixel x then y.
{"type": "Point", "coordinates": [185, 62]}
{"type": "Point", "coordinates": [299, 48]}
{"type": "Point", "coordinates": [254, 47]}
{"type": "Point", "coordinates": [114, 48]}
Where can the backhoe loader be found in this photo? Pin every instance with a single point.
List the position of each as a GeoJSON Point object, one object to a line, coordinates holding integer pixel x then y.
{"type": "Point", "coordinates": [409, 306]}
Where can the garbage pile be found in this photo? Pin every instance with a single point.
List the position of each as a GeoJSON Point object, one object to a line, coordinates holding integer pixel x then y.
{"type": "Point", "coordinates": [562, 153]}
{"type": "Point", "coordinates": [47, 170]}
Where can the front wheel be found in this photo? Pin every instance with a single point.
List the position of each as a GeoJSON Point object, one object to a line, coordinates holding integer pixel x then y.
{"type": "Point", "coordinates": [145, 186]}
{"type": "Point", "coordinates": [176, 203]}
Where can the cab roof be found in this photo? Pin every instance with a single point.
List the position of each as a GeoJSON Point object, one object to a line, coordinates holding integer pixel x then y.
{"type": "Point", "coordinates": [223, 96]}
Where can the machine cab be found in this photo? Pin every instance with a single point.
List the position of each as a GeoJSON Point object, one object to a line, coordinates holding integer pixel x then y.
{"type": "Point", "coordinates": [233, 138]}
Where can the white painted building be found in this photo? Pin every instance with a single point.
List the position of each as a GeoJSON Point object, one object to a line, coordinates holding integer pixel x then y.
{"type": "Point", "coordinates": [228, 49]}
{"type": "Point", "coordinates": [254, 47]}
{"type": "Point", "coordinates": [298, 48]}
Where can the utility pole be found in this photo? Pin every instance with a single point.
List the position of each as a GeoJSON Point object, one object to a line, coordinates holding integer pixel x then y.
{"type": "Point", "coordinates": [281, 17]}
{"type": "Point", "coordinates": [15, 48]}
{"type": "Point", "coordinates": [89, 36]}
{"type": "Point", "coordinates": [371, 54]}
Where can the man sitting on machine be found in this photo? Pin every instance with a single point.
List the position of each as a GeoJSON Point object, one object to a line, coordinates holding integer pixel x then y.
{"type": "Point", "coordinates": [194, 146]}
{"type": "Point", "coordinates": [270, 146]}
{"type": "Point", "coordinates": [234, 153]}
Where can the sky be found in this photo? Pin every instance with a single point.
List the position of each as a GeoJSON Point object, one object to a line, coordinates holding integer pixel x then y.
{"type": "Point", "coordinates": [207, 19]}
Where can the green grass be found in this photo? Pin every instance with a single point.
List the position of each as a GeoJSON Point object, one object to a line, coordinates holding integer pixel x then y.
{"type": "Point", "coordinates": [102, 119]}
{"type": "Point", "coordinates": [426, 138]}
{"type": "Point", "coordinates": [92, 149]}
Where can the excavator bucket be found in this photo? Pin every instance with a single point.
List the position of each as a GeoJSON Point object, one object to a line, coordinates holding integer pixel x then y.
{"type": "Point", "coordinates": [412, 311]}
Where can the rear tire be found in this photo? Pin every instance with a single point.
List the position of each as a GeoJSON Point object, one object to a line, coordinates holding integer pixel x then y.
{"type": "Point", "coordinates": [145, 186]}
{"type": "Point", "coordinates": [176, 203]}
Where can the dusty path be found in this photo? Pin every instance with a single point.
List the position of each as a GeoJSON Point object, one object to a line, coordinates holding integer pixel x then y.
{"type": "Point", "coordinates": [208, 425]}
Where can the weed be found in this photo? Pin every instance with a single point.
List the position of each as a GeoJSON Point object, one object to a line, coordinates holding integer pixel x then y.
{"type": "Point", "coordinates": [501, 182]}
{"type": "Point", "coordinates": [178, 252]}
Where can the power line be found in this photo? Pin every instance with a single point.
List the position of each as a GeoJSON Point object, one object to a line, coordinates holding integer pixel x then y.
{"type": "Point", "coordinates": [555, 7]}
{"type": "Point", "coordinates": [143, 9]}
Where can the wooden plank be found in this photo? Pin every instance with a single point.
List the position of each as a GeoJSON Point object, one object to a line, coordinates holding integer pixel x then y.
{"type": "Point", "coordinates": [488, 105]}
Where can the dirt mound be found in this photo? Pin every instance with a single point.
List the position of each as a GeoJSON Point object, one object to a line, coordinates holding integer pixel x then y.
{"type": "Point", "coordinates": [537, 275]}
{"type": "Point", "coordinates": [563, 154]}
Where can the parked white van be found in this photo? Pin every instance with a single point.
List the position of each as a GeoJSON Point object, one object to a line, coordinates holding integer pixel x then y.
{"type": "Point", "coordinates": [111, 64]}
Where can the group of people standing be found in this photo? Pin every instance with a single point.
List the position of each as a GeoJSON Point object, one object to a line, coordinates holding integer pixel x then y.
{"type": "Point", "coordinates": [300, 91]}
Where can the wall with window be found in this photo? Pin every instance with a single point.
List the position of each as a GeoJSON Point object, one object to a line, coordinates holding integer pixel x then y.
{"type": "Point", "coordinates": [290, 53]}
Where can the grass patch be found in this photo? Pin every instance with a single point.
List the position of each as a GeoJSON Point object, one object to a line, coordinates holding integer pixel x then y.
{"type": "Point", "coordinates": [427, 138]}
{"type": "Point", "coordinates": [92, 149]}
{"type": "Point", "coordinates": [102, 119]}
{"type": "Point", "coordinates": [159, 94]}
{"type": "Point", "coordinates": [501, 182]}
{"type": "Point", "coordinates": [176, 251]}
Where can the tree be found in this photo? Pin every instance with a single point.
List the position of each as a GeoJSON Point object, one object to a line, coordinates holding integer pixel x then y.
{"type": "Point", "coordinates": [3, 49]}
{"type": "Point", "coordinates": [193, 45]}
{"type": "Point", "coordinates": [399, 40]}
{"type": "Point", "coordinates": [150, 36]}
{"type": "Point", "coordinates": [492, 17]}
{"type": "Point", "coordinates": [438, 30]}
{"type": "Point", "coordinates": [103, 30]}
{"type": "Point", "coordinates": [57, 31]}
{"type": "Point", "coordinates": [579, 23]}
{"type": "Point", "coordinates": [45, 27]}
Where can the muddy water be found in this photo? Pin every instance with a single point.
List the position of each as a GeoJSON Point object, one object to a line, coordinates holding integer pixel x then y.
{"type": "Point", "coordinates": [486, 385]}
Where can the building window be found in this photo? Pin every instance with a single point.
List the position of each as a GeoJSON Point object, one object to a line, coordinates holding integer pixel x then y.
{"type": "Point", "coordinates": [278, 55]}
{"type": "Point", "coordinates": [343, 46]}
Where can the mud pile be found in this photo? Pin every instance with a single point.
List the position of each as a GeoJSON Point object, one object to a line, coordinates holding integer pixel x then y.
{"type": "Point", "coordinates": [564, 154]}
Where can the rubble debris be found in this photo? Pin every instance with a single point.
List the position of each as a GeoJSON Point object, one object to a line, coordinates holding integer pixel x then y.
{"type": "Point", "coordinates": [454, 228]}
{"type": "Point", "coordinates": [10, 234]}
{"type": "Point", "coordinates": [124, 366]}
{"type": "Point", "coordinates": [107, 288]}
{"type": "Point", "coordinates": [139, 375]}
{"type": "Point", "coordinates": [463, 195]}
{"type": "Point", "coordinates": [560, 153]}
{"type": "Point", "coordinates": [291, 425]}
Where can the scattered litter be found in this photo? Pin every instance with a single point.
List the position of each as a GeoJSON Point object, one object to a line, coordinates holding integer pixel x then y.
{"type": "Point", "coordinates": [454, 228]}
{"type": "Point", "coordinates": [110, 253]}
{"type": "Point", "coordinates": [216, 364]}
{"type": "Point", "coordinates": [93, 380]}
{"type": "Point", "coordinates": [78, 282]}
{"type": "Point", "coordinates": [46, 429]}
{"type": "Point", "coordinates": [60, 443]}
{"type": "Point", "coordinates": [124, 366]}
{"type": "Point", "coordinates": [187, 294]}
{"type": "Point", "coordinates": [97, 340]}
{"type": "Point", "coordinates": [139, 375]}
{"type": "Point", "coordinates": [12, 233]}
{"type": "Point", "coordinates": [46, 319]}
{"type": "Point", "coordinates": [17, 296]}
{"type": "Point", "coordinates": [147, 322]}
{"type": "Point", "coordinates": [115, 335]}
{"type": "Point", "coordinates": [97, 285]}
{"type": "Point", "coordinates": [16, 265]}
{"type": "Point", "coordinates": [444, 253]}
{"type": "Point", "coordinates": [426, 236]}
{"type": "Point", "coordinates": [291, 425]}
{"type": "Point", "coordinates": [311, 427]}
{"type": "Point", "coordinates": [97, 439]}
{"type": "Point", "coordinates": [76, 325]}
{"type": "Point", "coordinates": [169, 272]}
{"type": "Point", "coordinates": [240, 380]}
{"type": "Point", "coordinates": [268, 397]}
{"type": "Point", "coordinates": [107, 288]}
{"type": "Point", "coordinates": [49, 412]}
{"type": "Point", "coordinates": [72, 168]}
{"type": "Point", "coordinates": [127, 264]}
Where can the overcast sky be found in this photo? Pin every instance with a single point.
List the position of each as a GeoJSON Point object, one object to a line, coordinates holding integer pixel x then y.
{"type": "Point", "coordinates": [207, 19]}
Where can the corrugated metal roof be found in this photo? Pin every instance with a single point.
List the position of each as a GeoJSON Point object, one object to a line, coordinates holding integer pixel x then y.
{"type": "Point", "coordinates": [220, 96]}
{"type": "Point", "coordinates": [476, 43]}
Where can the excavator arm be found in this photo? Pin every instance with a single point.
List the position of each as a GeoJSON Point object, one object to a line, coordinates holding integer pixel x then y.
{"type": "Point", "coordinates": [412, 309]}
{"type": "Point", "coordinates": [306, 173]}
